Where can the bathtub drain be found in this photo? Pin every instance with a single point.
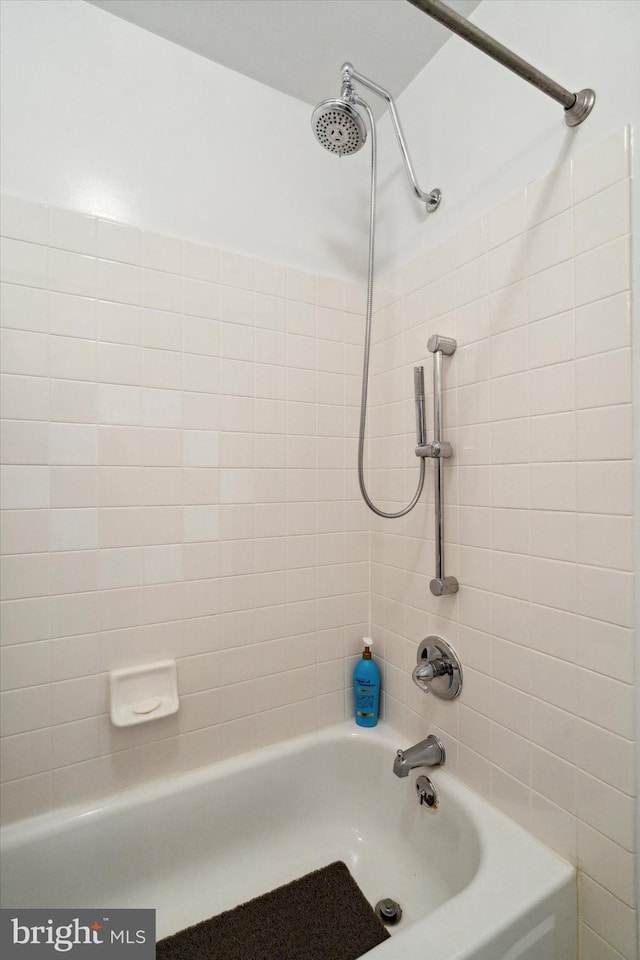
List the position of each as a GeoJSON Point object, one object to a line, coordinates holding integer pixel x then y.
{"type": "Point", "coordinates": [388, 911]}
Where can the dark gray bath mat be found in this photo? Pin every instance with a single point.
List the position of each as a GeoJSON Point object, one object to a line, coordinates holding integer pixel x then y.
{"type": "Point", "coordinates": [322, 916]}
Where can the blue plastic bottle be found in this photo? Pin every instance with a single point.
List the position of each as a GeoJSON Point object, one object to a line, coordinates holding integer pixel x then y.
{"type": "Point", "coordinates": [366, 688]}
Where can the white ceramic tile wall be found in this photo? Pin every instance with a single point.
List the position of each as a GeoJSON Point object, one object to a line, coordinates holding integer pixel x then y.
{"type": "Point", "coordinates": [538, 518]}
{"type": "Point", "coordinates": [175, 483]}
{"type": "Point", "coordinates": [177, 438]}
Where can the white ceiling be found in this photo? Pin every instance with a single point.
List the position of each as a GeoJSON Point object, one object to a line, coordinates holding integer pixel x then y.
{"type": "Point", "coordinates": [298, 46]}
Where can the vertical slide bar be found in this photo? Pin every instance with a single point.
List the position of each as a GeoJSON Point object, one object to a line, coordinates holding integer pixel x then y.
{"type": "Point", "coordinates": [438, 463]}
{"type": "Point", "coordinates": [441, 584]}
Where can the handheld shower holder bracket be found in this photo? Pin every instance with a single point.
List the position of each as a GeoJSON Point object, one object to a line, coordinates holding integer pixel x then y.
{"type": "Point", "coordinates": [435, 449]}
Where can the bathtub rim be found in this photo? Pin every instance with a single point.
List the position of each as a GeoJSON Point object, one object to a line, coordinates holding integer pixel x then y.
{"type": "Point", "coordinates": [548, 875]}
{"type": "Point", "coordinates": [162, 787]}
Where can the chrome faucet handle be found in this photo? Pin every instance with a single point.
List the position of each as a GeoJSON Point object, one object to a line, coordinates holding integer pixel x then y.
{"type": "Point", "coordinates": [430, 669]}
{"type": "Point", "coordinates": [438, 670]}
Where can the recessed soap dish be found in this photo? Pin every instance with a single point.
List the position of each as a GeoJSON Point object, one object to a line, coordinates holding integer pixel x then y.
{"type": "Point", "coordinates": [140, 694]}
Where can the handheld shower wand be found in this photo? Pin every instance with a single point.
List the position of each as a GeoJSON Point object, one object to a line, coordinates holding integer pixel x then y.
{"type": "Point", "coordinates": [418, 399]}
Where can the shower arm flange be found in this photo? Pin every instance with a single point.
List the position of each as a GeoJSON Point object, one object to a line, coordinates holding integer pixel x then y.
{"type": "Point", "coordinates": [431, 199]}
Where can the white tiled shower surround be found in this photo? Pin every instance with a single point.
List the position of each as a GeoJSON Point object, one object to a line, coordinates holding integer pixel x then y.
{"type": "Point", "coordinates": [539, 517]}
{"type": "Point", "coordinates": [179, 440]}
{"type": "Point", "coordinates": [176, 482]}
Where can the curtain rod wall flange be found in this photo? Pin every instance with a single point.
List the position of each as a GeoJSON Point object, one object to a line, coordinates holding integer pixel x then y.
{"type": "Point", "coordinates": [581, 109]}
{"type": "Point", "coordinates": [577, 106]}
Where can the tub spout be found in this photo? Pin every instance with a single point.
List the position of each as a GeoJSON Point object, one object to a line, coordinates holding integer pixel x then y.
{"type": "Point", "coordinates": [427, 753]}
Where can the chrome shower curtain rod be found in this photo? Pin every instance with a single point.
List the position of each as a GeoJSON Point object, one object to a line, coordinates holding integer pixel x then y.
{"type": "Point", "coordinates": [577, 106]}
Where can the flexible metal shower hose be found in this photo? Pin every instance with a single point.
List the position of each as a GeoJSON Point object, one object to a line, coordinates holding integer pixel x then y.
{"type": "Point", "coordinates": [367, 342]}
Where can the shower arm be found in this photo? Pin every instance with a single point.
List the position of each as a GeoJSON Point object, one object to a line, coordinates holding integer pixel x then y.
{"type": "Point", "coordinates": [577, 106]}
{"type": "Point", "coordinates": [431, 199]}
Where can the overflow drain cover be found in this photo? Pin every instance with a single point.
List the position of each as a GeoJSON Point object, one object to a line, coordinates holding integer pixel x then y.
{"type": "Point", "coordinates": [388, 911]}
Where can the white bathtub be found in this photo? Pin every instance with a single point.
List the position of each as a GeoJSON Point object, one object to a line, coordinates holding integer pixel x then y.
{"type": "Point", "coordinates": [472, 884]}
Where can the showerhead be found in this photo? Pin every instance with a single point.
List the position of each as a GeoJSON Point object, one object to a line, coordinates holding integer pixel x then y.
{"type": "Point", "coordinates": [341, 130]}
{"type": "Point", "coordinates": [338, 127]}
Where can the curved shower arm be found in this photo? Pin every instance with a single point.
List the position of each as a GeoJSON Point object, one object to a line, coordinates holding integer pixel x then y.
{"type": "Point", "coordinates": [431, 199]}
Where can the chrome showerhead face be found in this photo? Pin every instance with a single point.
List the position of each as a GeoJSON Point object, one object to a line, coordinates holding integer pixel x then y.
{"type": "Point", "coordinates": [338, 127]}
